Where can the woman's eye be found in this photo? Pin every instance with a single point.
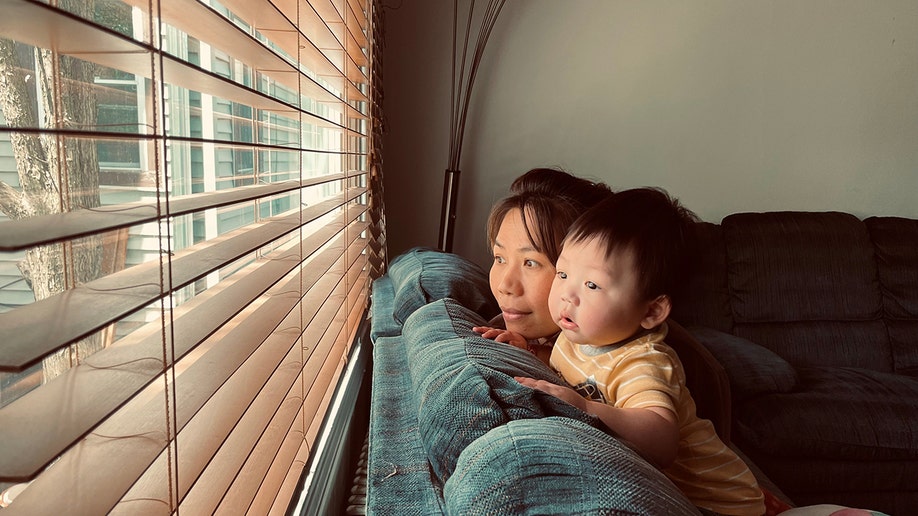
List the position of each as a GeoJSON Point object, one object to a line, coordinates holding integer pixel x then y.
{"type": "Point", "coordinates": [531, 263]}
{"type": "Point", "coordinates": [592, 286]}
{"type": "Point", "coordinates": [498, 259]}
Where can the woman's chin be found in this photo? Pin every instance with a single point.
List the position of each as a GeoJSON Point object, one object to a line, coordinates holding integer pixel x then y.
{"type": "Point", "coordinates": [531, 331]}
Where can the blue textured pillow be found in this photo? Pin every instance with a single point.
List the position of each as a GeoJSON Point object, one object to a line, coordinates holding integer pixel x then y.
{"type": "Point", "coordinates": [557, 466]}
{"type": "Point", "coordinates": [422, 275]}
{"type": "Point", "coordinates": [752, 369]}
{"type": "Point", "coordinates": [464, 384]}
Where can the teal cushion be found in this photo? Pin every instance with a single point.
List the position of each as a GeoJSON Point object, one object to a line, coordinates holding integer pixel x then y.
{"type": "Point", "coordinates": [753, 369]}
{"type": "Point", "coordinates": [382, 300]}
{"type": "Point", "coordinates": [557, 466]}
{"type": "Point", "coordinates": [422, 275]}
{"type": "Point", "coordinates": [463, 384]}
{"type": "Point", "coordinates": [398, 476]}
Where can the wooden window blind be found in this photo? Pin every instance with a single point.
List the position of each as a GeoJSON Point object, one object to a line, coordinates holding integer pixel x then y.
{"type": "Point", "coordinates": [190, 220]}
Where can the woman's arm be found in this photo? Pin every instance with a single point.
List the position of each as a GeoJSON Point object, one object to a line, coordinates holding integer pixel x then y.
{"type": "Point", "coordinates": [653, 430]}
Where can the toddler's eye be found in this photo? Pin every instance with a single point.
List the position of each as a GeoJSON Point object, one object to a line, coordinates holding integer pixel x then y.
{"type": "Point", "coordinates": [592, 286]}
{"type": "Point", "coordinates": [562, 275]}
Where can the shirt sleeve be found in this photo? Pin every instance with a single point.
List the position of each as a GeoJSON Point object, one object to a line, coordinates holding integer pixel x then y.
{"type": "Point", "coordinates": [644, 377]}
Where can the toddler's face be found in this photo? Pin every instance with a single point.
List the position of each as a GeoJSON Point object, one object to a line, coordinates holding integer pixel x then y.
{"type": "Point", "coordinates": [594, 299]}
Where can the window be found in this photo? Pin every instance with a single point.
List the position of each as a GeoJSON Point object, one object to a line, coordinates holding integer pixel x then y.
{"type": "Point", "coordinates": [189, 224]}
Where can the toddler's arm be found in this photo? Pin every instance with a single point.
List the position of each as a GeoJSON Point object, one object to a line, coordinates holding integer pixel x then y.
{"type": "Point", "coordinates": [653, 430]}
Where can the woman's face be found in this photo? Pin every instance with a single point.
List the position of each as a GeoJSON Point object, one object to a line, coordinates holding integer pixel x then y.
{"type": "Point", "coordinates": [520, 279]}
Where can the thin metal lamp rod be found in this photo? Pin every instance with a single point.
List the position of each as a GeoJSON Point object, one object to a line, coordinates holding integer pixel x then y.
{"type": "Point", "coordinates": [459, 106]}
{"type": "Point", "coordinates": [448, 211]}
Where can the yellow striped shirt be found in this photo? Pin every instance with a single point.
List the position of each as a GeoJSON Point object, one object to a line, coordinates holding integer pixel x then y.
{"type": "Point", "coordinates": [645, 373]}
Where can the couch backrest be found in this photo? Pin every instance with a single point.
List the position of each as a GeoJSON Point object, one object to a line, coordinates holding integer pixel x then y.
{"type": "Point", "coordinates": [811, 286]}
{"type": "Point", "coordinates": [895, 242]}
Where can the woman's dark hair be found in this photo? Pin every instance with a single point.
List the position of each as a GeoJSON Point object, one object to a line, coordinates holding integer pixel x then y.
{"type": "Point", "coordinates": [549, 201]}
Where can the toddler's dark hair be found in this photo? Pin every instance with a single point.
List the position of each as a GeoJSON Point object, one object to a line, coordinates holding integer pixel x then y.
{"type": "Point", "coordinates": [651, 224]}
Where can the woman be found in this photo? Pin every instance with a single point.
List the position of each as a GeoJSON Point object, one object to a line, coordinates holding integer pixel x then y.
{"type": "Point", "coordinates": [525, 231]}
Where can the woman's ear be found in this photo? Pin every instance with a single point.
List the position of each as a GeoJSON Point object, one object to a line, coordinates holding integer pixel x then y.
{"type": "Point", "coordinates": [657, 312]}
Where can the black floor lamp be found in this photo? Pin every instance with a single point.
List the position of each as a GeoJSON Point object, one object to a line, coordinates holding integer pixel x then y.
{"type": "Point", "coordinates": [459, 106]}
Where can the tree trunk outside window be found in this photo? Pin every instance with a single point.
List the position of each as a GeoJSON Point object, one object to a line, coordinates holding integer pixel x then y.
{"type": "Point", "coordinates": [56, 173]}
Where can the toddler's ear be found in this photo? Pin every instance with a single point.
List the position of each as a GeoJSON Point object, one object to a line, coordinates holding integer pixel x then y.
{"type": "Point", "coordinates": [657, 312]}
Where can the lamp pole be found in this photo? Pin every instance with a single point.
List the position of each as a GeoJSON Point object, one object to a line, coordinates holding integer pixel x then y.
{"type": "Point", "coordinates": [459, 106]}
{"type": "Point", "coordinates": [448, 211]}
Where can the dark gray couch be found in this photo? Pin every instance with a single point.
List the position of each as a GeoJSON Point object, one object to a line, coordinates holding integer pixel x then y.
{"type": "Point", "coordinates": [814, 317]}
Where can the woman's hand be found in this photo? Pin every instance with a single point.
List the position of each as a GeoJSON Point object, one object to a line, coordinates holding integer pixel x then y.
{"type": "Point", "coordinates": [501, 335]}
{"type": "Point", "coordinates": [559, 391]}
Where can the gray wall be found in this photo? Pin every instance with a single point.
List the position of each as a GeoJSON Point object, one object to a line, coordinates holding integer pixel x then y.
{"type": "Point", "coordinates": [730, 105]}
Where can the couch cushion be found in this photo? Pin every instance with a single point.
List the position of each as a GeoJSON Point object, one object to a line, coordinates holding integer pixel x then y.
{"type": "Point", "coordinates": [860, 344]}
{"type": "Point", "coordinates": [837, 413]}
{"type": "Point", "coordinates": [902, 335]}
{"type": "Point", "coordinates": [382, 309]}
{"type": "Point", "coordinates": [557, 466]}
{"type": "Point", "coordinates": [463, 383]}
{"type": "Point", "coordinates": [705, 378]}
{"type": "Point", "coordinates": [798, 267]}
{"type": "Point", "coordinates": [896, 242]}
{"type": "Point", "coordinates": [706, 300]}
{"type": "Point", "coordinates": [752, 369]}
{"type": "Point", "coordinates": [887, 486]}
{"type": "Point", "coordinates": [398, 473]}
{"type": "Point", "coordinates": [422, 275]}
{"type": "Point", "coordinates": [787, 266]}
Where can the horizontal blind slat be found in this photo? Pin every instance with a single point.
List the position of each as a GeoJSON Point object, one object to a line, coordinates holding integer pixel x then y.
{"type": "Point", "coordinates": [20, 234]}
{"type": "Point", "coordinates": [41, 25]}
{"type": "Point", "coordinates": [283, 424]}
{"type": "Point", "coordinates": [222, 467]}
{"type": "Point", "coordinates": [284, 474]}
{"type": "Point", "coordinates": [26, 336]}
{"type": "Point", "coordinates": [187, 15]}
{"type": "Point", "coordinates": [284, 13]}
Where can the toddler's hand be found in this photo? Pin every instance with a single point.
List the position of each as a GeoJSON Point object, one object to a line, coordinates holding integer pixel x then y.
{"type": "Point", "coordinates": [559, 391]}
{"type": "Point", "coordinates": [500, 335]}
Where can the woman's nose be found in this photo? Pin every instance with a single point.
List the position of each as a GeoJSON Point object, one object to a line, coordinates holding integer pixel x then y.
{"type": "Point", "coordinates": [510, 283]}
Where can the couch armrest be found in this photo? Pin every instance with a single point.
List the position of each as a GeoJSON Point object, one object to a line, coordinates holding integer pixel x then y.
{"type": "Point", "coordinates": [753, 369]}
{"type": "Point", "coordinates": [705, 377]}
{"type": "Point", "coordinates": [421, 275]}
